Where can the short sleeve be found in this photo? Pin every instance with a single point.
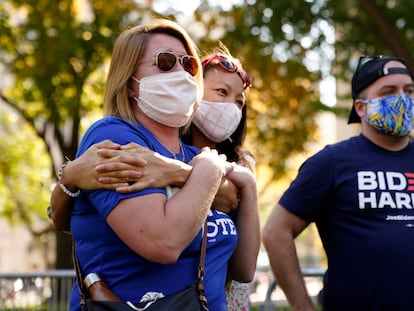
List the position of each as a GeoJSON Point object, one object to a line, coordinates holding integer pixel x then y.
{"type": "Point", "coordinates": [310, 191]}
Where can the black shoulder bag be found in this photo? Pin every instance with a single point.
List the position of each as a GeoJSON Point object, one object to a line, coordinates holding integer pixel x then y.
{"type": "Point", "coordinates": [191, 299]}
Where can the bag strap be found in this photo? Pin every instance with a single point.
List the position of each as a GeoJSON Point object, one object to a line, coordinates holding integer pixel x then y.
{"type": "Point", "coordinates": [200, 285]}
{"type": "Point", "coordinates": [200, 276]}
{"type": "Point", "coordinates": [79, 277]}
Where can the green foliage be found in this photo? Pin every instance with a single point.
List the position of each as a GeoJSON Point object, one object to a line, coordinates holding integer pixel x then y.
{"type": "Point", "coordinates": [284, 99]}
{"type": "Point", "coordinates": [56, 52]}
{"type": "Point", "coordinates": [53, 49]}
{"type": "Point", "coordinates": [24, 190]}
{"type": "Point", "coordinates": [288, 48]}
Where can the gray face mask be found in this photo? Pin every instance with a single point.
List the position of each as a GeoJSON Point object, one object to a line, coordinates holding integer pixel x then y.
{"type": "Point", "coordinates": [168, 98]}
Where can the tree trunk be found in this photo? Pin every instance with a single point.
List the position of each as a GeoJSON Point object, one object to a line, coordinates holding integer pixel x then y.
{"type": "Point", "coordinates": [63, 251]}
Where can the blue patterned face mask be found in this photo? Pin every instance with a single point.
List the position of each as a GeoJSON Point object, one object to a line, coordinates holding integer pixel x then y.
{"type": "Point", "coordinates": [392, 115]}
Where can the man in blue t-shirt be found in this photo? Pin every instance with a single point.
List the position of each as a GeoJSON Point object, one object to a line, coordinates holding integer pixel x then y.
{"type": "Point", "coordinates": [360, 194]}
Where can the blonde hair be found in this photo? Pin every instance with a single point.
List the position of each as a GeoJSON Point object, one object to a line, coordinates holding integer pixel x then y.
{"type": "Point", "coordinates": [127, 53]}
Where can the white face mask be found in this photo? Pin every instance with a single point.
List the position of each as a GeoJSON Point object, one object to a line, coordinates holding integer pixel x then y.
{"type": "Point", "coordinates": [217, 121]}
{"type": "Point", "coordinates": [168, 98]}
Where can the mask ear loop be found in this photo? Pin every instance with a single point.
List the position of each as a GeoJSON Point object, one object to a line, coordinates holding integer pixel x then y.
{"type": "Point", "coordinates": [135, 79]}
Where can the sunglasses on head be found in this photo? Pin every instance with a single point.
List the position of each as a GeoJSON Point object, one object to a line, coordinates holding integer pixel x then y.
{"type": "Point", "coordinates": [166, 61]}
{"type": "Point", "coordinates": [365, 59]}
{"type": "Point", "coordinates": [226, 63]}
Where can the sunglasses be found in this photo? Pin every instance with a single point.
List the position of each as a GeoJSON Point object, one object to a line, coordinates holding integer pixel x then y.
{"type": "Point", "coordinates": [226, 63]}
{"type": "Point", "coordinates": [166, 61]}
{"type": "Point", "coordinates": [365, 59]}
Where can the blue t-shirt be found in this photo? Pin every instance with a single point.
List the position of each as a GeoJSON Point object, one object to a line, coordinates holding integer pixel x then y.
{"type": "Point", "coordinates": [361, 198]}
{"type": "Point", "coordinates": [126, 273]}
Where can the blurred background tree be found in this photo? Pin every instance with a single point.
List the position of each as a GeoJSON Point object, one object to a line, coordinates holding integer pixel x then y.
{"type": "Point", "coordinates": [54, 55]}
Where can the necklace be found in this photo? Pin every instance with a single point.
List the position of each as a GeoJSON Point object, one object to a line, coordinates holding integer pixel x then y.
{"type": "Point", "coordinates": [172, 153]}
{"type": "Point", "coordinates": [181, 152]}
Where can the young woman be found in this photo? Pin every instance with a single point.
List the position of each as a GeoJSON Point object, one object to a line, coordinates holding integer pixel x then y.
{"type": "Point", "coordinates": [220, 122]}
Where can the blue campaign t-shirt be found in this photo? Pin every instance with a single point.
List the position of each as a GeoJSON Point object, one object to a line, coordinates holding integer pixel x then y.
{"type": "Point", "coordinates": [361, 198]}
{"type": "Point", "coordinates": [126, 273]}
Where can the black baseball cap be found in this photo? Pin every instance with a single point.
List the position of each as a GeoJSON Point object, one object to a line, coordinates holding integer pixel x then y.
{"type": "Point", "coordinates": [369, 70]}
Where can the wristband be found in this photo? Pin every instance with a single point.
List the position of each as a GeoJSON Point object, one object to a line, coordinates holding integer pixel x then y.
{"type": "Point", "coordinates": [63, 187]}
{"type": "Point", "coordinates": [90, 279]}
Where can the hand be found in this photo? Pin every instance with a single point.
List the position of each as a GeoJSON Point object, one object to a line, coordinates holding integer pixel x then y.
{"type": "Point", "coordinates": [84, 172]}
{"type": "Point", "coordinates": [211, 155]}
{"type": "Point", "coordinates": [241, 176]}
{"type": "Point", "coordinates": [120, 167]}
{"type": "Point", "coordinates": [227, 197]}
{"type": "Point", "coordinates": [159, 171]}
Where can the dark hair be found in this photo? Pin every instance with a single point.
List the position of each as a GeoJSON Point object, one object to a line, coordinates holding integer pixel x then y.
{"type": "Point", "coordinates": [230, 145]}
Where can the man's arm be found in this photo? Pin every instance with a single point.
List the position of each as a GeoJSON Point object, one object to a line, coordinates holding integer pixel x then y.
{"type": "Point", "coordinates": [279, 233]}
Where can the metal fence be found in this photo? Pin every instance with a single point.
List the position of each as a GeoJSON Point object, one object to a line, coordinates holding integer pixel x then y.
{"type": "Point", "coordinates": [275, 298]}
{"type": "Point", "coordinates": [36, 291]}
{"type": "Point", "coordinates": [51, 290]}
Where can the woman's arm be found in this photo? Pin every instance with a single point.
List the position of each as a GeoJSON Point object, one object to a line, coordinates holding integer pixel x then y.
{"type": "Point", "coordinates": [242, 264]}
{"type": "Point", "coordinates": [227, 198]}
{"type": "Point", "coordinates": [125, 169]}
{"type": "Point", "coordinates": [85, 172]}
{"type": "Point", "coordinates": [160, 229]}
{"type": "Point", "coordinates": [110, 166]}
{"type": "Point", "coordinates": [74, 175]}
{"type": "Point", "coordinates": [60, 209]}
{"type": "Point", "coordinates": [159, 171]}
